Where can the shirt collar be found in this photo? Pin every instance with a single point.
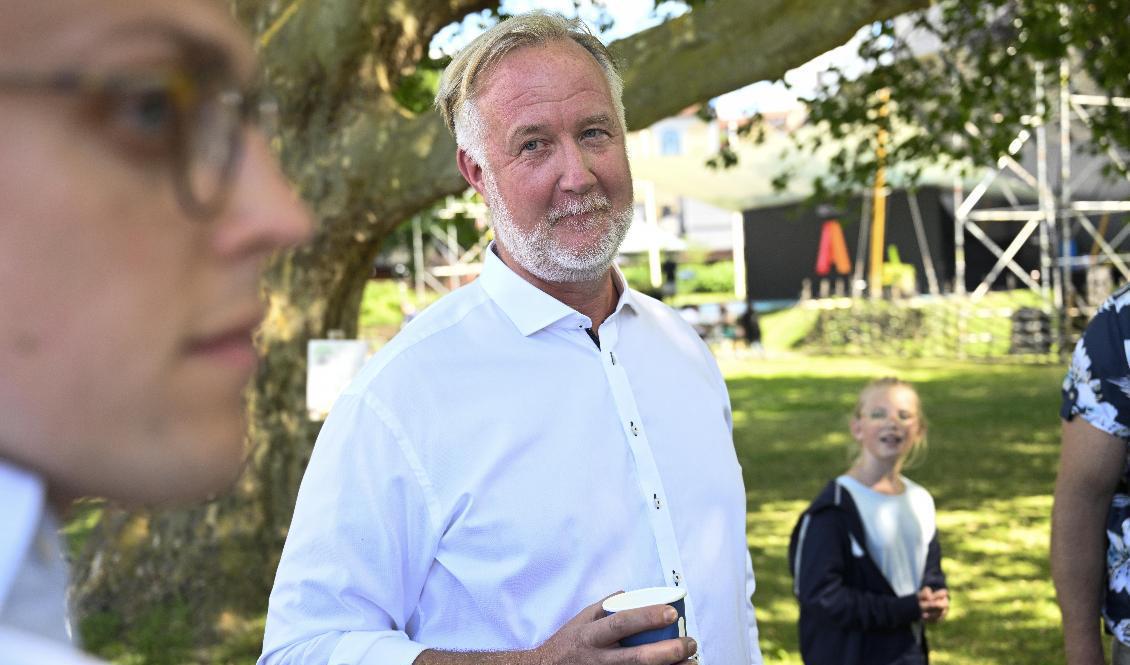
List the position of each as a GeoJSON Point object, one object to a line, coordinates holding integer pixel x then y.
{"type": "Point", "coordinates": [530, 308]}
{"type": "Point", "coordinates": [23, 495]}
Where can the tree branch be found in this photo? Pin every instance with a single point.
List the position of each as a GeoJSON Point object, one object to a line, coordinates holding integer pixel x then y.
{"type": "Point", "coordinates": [377, 40]}
{"type": "Point", "coordinates": [722, 46]}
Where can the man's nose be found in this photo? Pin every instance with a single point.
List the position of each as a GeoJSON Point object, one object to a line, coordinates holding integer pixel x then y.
{"type": "Point", "coordinates": [577, 176]}
{"type": "Point", "coordinates": [264, 212]}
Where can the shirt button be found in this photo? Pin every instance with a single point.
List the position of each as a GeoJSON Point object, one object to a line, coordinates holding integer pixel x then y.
{"type": "Point", "coordinates": [657, 503]}
{"type": "Point", "coordinates": [677, 577]}
{"type": "Point", "coordinates": [612, 356]}
{"type": "Point", "coordinates": [635, 430]}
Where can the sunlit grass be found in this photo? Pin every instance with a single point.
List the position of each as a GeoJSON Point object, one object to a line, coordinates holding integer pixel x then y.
{"type": "Point", "coordinates": [993, 445]}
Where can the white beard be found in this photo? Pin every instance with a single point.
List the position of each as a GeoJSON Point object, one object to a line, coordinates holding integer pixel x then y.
{"type": "Point", "coordinates": [538, 251]}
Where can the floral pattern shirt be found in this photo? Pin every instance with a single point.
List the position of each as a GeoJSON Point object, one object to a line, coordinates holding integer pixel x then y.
{"type": "Point", "coordinates": [1097, 388]}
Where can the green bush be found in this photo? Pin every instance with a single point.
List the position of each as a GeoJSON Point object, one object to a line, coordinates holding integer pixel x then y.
{"type": "Point", "coordinates": [938, 327]}
{"type": "Point", "coordinates": [638, 276]}
{"type": "Point", "coordinates": [162, 637]}
{"type": "Point", "coordinates": [717, 277]}
{"type": "Point", "coordinates": [380, 305]}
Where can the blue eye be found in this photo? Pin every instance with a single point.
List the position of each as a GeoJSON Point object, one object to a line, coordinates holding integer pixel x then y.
{"type": "Point", "coordinates": [596, 134]}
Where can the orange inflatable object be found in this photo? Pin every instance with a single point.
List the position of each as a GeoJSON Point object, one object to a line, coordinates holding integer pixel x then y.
{"type": "Point", "coordinates": [833, 250]}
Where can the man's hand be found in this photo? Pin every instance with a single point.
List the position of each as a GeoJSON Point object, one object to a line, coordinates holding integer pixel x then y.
{"type": "Point", "coordinates": [934, 604]}
{"type": "Point", "coordinates": [590, 638]}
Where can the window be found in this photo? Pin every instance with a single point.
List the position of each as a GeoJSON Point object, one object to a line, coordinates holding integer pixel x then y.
{"type": "Point", "coordinates": [671, 142]}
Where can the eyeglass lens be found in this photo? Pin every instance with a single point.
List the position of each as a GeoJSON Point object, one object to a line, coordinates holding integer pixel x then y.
{"type": "Point", "coordinates": [213, 145]}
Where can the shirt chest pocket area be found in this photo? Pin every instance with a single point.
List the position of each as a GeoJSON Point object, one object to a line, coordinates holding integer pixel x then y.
{"type": "Point", "coordinates": [512, 528]}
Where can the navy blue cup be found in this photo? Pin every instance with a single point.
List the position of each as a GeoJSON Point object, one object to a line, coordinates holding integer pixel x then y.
{"type": "Point", "coordinates": [659, 595]}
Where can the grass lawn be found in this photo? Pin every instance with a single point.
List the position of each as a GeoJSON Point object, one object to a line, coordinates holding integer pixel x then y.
{"type": "Point", "coordinates": [993, 449]}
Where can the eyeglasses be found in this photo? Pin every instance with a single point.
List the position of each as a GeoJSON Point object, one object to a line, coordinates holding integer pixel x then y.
{"type": "Point", "coordinates": [195, 115]}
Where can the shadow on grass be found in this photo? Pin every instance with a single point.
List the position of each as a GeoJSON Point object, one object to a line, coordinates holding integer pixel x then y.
{"type": "Point", "coordinates": [993, 449]}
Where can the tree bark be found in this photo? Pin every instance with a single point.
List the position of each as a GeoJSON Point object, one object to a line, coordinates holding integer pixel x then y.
{"type": "Point", "coordinates": [364, 165]}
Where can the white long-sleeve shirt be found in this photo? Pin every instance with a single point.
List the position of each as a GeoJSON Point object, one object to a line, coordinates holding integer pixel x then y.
{"type": "Point", "coordinates": [33, 576]}
{"type": "Point", "coordinates": [491, 472]}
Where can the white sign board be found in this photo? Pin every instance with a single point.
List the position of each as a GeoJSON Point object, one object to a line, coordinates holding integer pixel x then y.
{"type": "Point", "coordinates": [330, 365]}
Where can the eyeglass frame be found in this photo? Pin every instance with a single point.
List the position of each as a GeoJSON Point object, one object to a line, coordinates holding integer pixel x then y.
{"type": "Point", "coordinates": [184, 87]}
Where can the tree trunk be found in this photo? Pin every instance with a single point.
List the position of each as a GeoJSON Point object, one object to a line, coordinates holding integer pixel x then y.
{"type": "Point", "coordinates": [364, 165]}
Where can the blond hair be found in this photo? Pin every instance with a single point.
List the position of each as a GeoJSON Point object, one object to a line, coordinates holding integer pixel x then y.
{"type": "Point", "coordinates": [463, 77]}
{"type": "Point", "coordinates": [917, 451]}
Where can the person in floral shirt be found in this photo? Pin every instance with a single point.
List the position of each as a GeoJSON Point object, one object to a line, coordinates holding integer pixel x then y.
{"type": "Point", "coordinates": [1091, 494]}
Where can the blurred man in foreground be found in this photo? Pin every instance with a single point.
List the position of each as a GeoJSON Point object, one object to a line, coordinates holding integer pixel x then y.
{"type": "Point", "coordinates": [136, 208]}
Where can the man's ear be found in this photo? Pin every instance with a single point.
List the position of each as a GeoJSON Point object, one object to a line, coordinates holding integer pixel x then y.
{"type": "Point", "coordinates": [471, 170]}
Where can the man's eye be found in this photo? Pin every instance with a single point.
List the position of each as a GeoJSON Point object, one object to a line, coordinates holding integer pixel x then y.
{"type": "Point", "coordinates": [147, 111]}
{"type": "Point", "coordinates": [142, 120]}
{"type": "Point", "coordinates": [531, 145]}
{"type": "Point", "coordinates": [594, 133]}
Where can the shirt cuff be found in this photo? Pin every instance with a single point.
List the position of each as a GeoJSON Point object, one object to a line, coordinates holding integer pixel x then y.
{"type": "Point", "coordinates": [375, 648]}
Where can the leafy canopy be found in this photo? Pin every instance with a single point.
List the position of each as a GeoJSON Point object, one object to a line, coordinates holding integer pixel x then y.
{"type": "Point", "coordinates": [967, 63]}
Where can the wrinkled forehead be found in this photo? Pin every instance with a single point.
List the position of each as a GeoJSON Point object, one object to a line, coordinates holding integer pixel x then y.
{"type": "Point", "coordinates": [542, 85]}
{"type": "Point", "coordinates": [61, 33]}
{"type": "Point", "coordinates": [535, 66]}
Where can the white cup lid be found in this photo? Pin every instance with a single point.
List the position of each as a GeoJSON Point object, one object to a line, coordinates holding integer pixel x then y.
{"type": "Point", "coordinates": [656, 595]}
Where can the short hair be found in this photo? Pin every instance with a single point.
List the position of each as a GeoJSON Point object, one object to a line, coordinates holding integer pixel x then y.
{"type": "Point", "coordinates": [462, 78]}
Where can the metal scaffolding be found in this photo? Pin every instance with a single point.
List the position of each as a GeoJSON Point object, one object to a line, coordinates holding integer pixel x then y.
{"type": "Point", "coordinates": [452, 263]}
{"type": "Point", "coordinates": [1053, 219]}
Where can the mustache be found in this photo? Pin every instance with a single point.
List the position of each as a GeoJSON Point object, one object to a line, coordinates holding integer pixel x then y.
{"type": "Point", "coordinates": [592, 202]}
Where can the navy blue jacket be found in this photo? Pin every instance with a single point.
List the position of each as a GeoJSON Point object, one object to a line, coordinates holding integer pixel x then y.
{"type": "Point", "coordinates": [849, 614]}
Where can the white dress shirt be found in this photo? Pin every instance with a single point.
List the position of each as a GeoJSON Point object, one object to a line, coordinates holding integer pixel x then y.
{"type": "Point", "coordinates": [491, 472]}
{"type": "Point", "coordinates": [34, 627]}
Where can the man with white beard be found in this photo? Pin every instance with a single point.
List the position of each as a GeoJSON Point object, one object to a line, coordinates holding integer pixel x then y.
{"type": "Point", "coordinates": [535, 441]}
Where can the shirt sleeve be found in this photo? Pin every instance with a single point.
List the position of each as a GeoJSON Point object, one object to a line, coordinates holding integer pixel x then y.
{"type": "Point", "coordinates": [750, 587]}
{"type": "Point", "coordinates": [933, 576]}
{"type": "Point", "coordinates": [360, 545]}
{"type": "Point", "coordinates": [1097, 385]}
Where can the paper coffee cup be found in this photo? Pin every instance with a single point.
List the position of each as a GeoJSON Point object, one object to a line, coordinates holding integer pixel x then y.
{"type": "Point", "coordinates": [659, 595]}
